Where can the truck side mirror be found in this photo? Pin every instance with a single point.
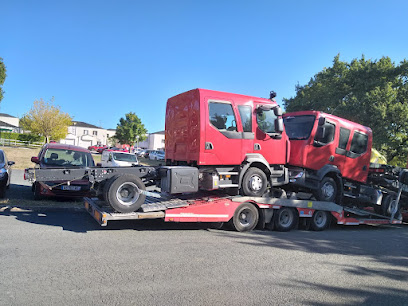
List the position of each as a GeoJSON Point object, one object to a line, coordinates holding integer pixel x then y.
{"type": "Point", "coordinates": [321, 132]}
{"type": "Point", "coordinates": [279, 125]}
{"type": "Point", "coordinates": [322, 121]}
{"type": "Point", "coordinates": [277, 111]}
{"type": "Point", "coordinates": [35, 160]}
{"type": "Point", "coordinates": [110, 157]}
{"type": "Point", "coordinates": [403, 177]}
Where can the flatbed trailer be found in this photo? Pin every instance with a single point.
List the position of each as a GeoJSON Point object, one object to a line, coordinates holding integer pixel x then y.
{"type": "Point", "coordinates": [243, 213]}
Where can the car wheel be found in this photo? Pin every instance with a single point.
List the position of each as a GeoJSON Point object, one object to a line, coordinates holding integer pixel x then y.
{"type": "Point", "coordinates": [2, 191]}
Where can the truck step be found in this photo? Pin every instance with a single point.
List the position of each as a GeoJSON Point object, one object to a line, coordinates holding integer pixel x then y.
{"type": "Point", "coordinates": [227, 173]}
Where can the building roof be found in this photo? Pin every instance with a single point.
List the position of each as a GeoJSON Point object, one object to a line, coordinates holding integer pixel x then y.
{"type": "Point", "coordinates": [6, 115]}
{"type": "Point", "coordinates": [5, 124]}
{"type": "Point", "coordinates": [84, 124]}
{"type": "Point", "coordinates": [159, 132]}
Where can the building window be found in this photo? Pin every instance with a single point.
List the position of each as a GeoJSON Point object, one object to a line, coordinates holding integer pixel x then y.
{"type": "Point", "coordinates": [107, 135]}
{"type": "Point", "coordinates": [85, 132]}
{"type": "Point", "coordinates": [95, 133]}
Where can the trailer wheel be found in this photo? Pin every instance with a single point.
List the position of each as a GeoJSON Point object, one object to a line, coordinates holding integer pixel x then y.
{"type": "Point", "coordinates": [123, 193]}
{"type": "Point", "coordinates": [245, 217]}
{"type": "Point", "coordinates": [320, 220]}
{"type": "Point", "coordinates": [327, 190]}
{"type": "Point", "coordinates": [254, 182]}
{"type": "Point", "coordinates": [285, 219]}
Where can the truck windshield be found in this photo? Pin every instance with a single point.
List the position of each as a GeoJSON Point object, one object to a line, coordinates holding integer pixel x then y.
{"type": "Point", "coordinates": [131, 158]}
{"type": "Point", "coordinates": [299, 127]}
{"type": "Point", "coordinates": [266, 120]}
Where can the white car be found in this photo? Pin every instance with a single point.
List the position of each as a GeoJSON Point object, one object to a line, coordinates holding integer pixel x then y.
{"type": "Point", "coordinates": [118, 159]}
{"type": "Point", "coordinates": [156, 155]}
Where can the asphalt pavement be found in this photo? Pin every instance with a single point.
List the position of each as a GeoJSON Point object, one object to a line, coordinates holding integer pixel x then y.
{"type": "Point", "coordinates": [66, 258]}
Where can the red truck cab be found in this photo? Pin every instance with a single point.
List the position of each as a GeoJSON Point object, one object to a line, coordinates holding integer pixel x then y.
{"type": "Point", "coordinates": [226, 134]}
{"type": "Point", "coordinates": [325, 145]}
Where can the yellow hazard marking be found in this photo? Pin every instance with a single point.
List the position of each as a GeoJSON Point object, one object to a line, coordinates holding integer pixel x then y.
{"type": "Point", "coordinates": [309, 204]}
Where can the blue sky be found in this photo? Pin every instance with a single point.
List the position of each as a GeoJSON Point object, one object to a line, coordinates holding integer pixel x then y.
{"type": "Point", "coordinates": [103, 59]}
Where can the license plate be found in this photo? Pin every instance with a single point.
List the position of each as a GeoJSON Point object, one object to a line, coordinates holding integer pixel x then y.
{"type": "Point", "coordinates": [74, 188]}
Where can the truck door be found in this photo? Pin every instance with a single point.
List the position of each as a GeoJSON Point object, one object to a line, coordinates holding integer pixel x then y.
{"type": "Point", "coordinates": [223, 142]}
{"type": "Point", "coordinates": [268, 142]}
{"type": "Point", "coordinates": [357, 157]}
{"type": "Point", "coordinates": [323, 151]}
{"type": "Point", "coordinates": [246, 126]}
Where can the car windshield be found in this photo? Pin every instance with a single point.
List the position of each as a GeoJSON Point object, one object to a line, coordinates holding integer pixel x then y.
{"type": "Point", "coordinates": [67, 158]}
{"type": "Point", "coordinates": [299, 127]}
{"type": "Point", "coordinates": [1, 158]}
{"type": "Point", "coordinates": [131, 158]}
{"type": "Point", "coordinates": [266, 120]}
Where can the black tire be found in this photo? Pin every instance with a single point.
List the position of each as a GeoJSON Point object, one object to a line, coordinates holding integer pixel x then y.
{"type": "Point", "coordinates": [37, 191]}
{"type": "Point", "coordinates": [388, 206]}
{"type": "Point", "coordinates": [245, 217]}
{"type": "Point", "coordinates": [254, 182]}
{"type": "Point", "coordinates": [2, 191]}
{"type": "Point", "coordinates": [320, 220]}
{"type": "Point", "coordinates": [123, 195]}
{"type": "Point", "coordinates": [285, 219]}
{"type": "Point", "coordinates": [327, 190]}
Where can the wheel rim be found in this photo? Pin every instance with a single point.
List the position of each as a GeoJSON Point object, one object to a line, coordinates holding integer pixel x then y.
{"type": "Point", "coordinates": [285, 218]}
{"type": "Point", "coordinates": [255, 183]}
{"type": "Point", "coordinates": [320, 218]}
{"type": "Point", "coordinates": [127, 193]}
{"type": "Point", "coordinates": [328, 190]}
{"type": "Point", "coordinates": [245, 217]}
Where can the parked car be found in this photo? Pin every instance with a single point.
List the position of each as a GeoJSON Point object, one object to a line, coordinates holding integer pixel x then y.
{"type": "Point", "coordinates": [156, 155]}
{"type": "Point", "coordinates": [101, 149]}
{"type": "Point", "coordinates": [53, 155]}
{"type": "Point", "coordinates": [95, 148]}
{"type": "Point", "coordinates": [146, 153]}
{"type": "Point", "coordinates": [5, 173]}
{"type": "Point", "coordinates": [112, 149]}
{"type": "Point", "coordinates": [118, 159]}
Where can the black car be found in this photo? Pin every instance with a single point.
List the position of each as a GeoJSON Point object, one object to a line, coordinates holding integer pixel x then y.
{"type": "Point", "coordinates": [5, 173]}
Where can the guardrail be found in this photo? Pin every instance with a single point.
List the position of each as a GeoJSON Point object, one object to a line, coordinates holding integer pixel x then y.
{"type": "Point", "coordinates": [19, 143]}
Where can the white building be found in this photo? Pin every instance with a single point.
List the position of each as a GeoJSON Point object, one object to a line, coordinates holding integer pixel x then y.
{"type": "Point", "coordinates": [9, 123]}
{"type": "Point", "coordinates": [154, 141]}
{"type": "Point", "coordinates": [84, 135]}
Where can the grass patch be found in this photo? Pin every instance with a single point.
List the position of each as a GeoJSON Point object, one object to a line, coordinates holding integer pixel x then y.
{"type": "Point", "coordinates": [21, 156]}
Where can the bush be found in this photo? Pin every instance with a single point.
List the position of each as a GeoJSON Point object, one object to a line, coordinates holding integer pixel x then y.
{"type": "Point", "coordinates": [22, 137]}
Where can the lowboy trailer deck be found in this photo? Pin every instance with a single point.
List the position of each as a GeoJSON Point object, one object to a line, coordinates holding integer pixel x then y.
{"type": "Point", "coordinates": [243, 213]}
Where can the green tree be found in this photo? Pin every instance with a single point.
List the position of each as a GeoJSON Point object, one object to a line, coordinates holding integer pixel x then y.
{"type": "Point", "coordinates": [371, 92]}
{"type": "Point", "coordinates": [47, 120]}
{"type": "Point", "coordinates": [2, 77]}
{"type": "Point", "coordinates": [130, 129]}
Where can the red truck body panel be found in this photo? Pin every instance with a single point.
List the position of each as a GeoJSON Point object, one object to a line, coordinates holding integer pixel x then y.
{"type": "Point", "coordinates": [307, 155]}
{"type": "Point", "coordinates": [192, 137]}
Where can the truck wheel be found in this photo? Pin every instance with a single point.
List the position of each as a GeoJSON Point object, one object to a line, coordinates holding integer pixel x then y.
{"type": "Point", "coordinates": [285, 219]}
{"type": "Point", "coordinates": [122, 193]}
{"type": "Point", "coordinates": [327, 190]}
{"type": "Point", "coordinates": [245, 217]}
{"type": "Point", "coordinates": [320, 220]}
{"type": "Point", "coordinates": [254, 183]}
{"type": "Point", "coordinates": [388, 206]}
